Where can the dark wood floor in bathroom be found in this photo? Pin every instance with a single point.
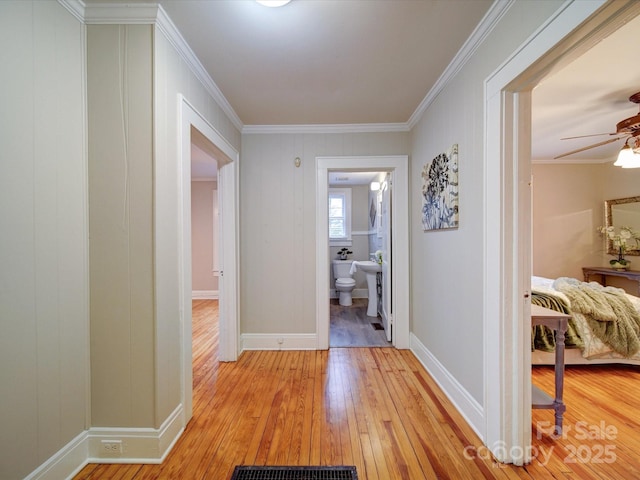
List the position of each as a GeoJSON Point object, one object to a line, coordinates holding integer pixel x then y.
{"type": "Point", "coordinates": [351, 327]}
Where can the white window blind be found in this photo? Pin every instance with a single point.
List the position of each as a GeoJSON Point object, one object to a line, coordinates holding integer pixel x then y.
{"type": "Point", "coordinates": [340, 216]}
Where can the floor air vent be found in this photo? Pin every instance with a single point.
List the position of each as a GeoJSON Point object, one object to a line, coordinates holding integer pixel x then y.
{"type": "Point", "coordinates": [247, 472]}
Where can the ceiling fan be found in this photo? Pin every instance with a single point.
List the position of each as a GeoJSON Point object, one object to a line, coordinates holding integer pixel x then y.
{"type": "Point", "coordinates": [629, 128]}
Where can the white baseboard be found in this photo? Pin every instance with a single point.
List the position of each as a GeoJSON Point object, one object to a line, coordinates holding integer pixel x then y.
{"type": "Point", "coordinates": [65, 463]}
{"type": "Point", "coordinates": [280, 341]}
{"type": "Point", "coordinates": [139, 445]}
{"type": "Point", "coordinates": [204, 295]}
{"type": "Point", "coordinates": [470, 409]}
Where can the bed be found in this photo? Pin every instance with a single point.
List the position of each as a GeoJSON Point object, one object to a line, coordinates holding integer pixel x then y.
{"type": "Point", "coordinates": [587, 341]}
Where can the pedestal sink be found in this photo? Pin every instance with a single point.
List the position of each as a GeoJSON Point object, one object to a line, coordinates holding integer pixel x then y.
{"type": "Point", "coordinates": [370, 268]}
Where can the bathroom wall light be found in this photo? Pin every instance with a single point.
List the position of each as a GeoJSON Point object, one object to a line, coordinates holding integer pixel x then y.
{"type": "Point", "coordinates": [273, 3]}
{"type": "Point", "coordinates": [297, 162]}
{"type": "Point", "coordinates": [375, 186]}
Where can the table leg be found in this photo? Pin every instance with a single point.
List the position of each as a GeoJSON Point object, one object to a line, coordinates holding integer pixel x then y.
{"type": "Point", "coordinates": [558, 405]}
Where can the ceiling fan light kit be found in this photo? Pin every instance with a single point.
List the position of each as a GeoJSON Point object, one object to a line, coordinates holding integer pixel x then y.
{"type": "Point", "coordinates": [629, 129]}
{"type": "Point", "coordinates": [631, 124]}
{"type": "Point", "coordinates": [629, 156]}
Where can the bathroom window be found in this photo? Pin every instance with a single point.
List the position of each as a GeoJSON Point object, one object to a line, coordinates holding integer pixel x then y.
{"type": "Point", "coordinates": [340, 217]}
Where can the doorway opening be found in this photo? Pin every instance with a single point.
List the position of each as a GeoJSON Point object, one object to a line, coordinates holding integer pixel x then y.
{"type": "Point", "coordinates": [205, 224]}
{"type": "Point", "coordinates": [396, 168]}
{"type": "Point", "coordinates": [360, 285]}
{"type": "Point", "coordinates": [507, 340]}
{"type": "Point", "coordinates": [195, 129]}
{"type": "Point", "coordinates": [205, 264]}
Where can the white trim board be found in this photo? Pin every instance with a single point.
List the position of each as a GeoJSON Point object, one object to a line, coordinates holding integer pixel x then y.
{"type": "Point", "coordinates": [468, 407]}
{"type": "Point", "coordinates": [139, 445]}
{"type": "Point", "coordinates": [204, 295]}
{"type": "Point", "coordinates": [398, 166]}
{"type": "Point", "coordinates": [279, 341]}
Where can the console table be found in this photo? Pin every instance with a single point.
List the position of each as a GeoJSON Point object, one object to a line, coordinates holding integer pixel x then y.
{"type": "Point", "coordinates": [605, 272]}
{"type": "Point", "coordinates": [539, 399]}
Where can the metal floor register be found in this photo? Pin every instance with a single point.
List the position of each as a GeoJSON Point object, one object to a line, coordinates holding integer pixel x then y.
{"type": "Point", "coordinates": [247, 472]}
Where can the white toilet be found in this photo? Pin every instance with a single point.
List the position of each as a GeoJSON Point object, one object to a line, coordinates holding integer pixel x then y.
{"type": "Point", "coordinates": [344, 281]}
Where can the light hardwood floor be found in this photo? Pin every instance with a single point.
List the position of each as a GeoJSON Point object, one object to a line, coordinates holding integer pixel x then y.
{"type": "Point", "coordinates": [377, 409]}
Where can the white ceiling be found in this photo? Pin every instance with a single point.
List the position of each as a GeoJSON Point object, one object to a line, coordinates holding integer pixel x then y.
{"type": "Point", "coordinates": [589, 96]}
{"type": "Point", "coordinates": [374, 61]}
{"type": "Point", "coordinates": [325, 61]}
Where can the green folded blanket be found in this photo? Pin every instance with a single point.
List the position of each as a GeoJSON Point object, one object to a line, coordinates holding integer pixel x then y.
{"type": "Point", "coordinates": [542, 337]}
{"type": "Point", "coordinates": [607, 310]}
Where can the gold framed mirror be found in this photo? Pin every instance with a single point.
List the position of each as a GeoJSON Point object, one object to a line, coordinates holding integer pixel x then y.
{"type": "Point", "coordinates": [622, 212]}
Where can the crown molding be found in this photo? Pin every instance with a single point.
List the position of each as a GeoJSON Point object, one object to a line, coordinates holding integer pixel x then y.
{"type": "Point", "coordinates": [154, 14]}
{"type": "Point", "coordinates": [327, 128]}
{"type": "Point", "coordinates": [167, 27]}
{"type": "Point", "coordinates": [484, 28]}
{"type": "Point", "coordinates": [75, 7]}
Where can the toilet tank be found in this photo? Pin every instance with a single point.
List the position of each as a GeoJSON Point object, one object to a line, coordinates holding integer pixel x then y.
{"type": "Point", "coordinates": [341, 268]}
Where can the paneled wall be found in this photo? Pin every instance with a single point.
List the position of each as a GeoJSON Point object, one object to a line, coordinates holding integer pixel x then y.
{"type": "Point", "coordinates": [134, 77]}
{"type": "Point", "coordinates": [119, 85]}
{"type": "Point", "coordinates": [44, 343]}
{"type": "Point", "coordinates": [278, 223]}
{"type": "Point", "coordinates": [447, 266]}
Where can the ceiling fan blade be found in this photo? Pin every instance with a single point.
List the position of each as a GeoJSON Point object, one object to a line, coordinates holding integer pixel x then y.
{"type": "Point", "coordinates": [592, 135]}
{"type": "Point", "coordinates": [599, 144]}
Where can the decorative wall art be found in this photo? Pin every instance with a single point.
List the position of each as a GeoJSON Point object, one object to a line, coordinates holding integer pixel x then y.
{"type": "Point", "coordinates": [440, 191]}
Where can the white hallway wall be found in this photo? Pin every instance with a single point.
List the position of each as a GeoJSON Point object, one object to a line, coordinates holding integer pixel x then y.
{"type": "Point", "coordinates": [278, 223]}
{"type": "Point", "coordinates": [44, 315]}
{"type": "Point", "coordinates": [447, 266]}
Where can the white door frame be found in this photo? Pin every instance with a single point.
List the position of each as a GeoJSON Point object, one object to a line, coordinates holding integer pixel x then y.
{"type": "Point", "coordinates": [399, 166]}
{"type": "Point", "coordinates": [507, 251]}
{"type": "Point", "coordinates": [227, 158]}
{"type": "Point", "coordinates": [387, 294]}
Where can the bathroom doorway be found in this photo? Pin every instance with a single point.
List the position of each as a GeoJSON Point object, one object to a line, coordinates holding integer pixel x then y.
{"type": "Point", "coordinates": [359, 224]}
{"type": "Point", "coordinates": [395, 170]}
